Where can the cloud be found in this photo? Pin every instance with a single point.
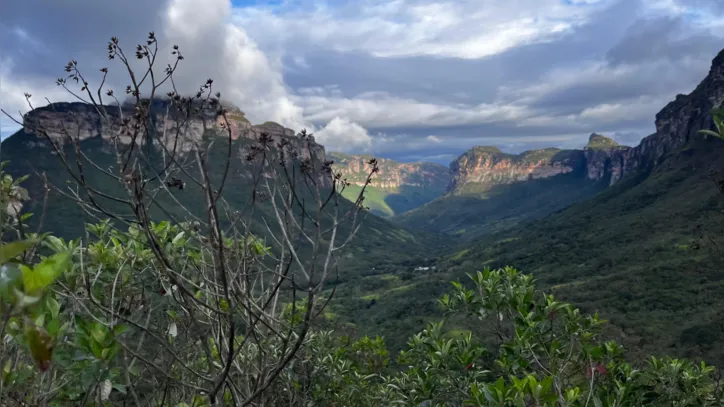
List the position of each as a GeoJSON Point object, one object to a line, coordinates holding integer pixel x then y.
{"type": "Point", "coordinates": [397, 78]}
{"type": "Point", "coordinates": [403, 28]}
{"type": "Point", "coordinates": [380, 109]}
{"type": "Point", "coordinates": [344, 135]}
{"type": "Point", "coordinates": [213, 47]}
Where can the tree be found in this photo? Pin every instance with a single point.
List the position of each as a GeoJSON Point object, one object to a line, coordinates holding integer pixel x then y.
{"type": "Point", "coordinates": [189, 310]}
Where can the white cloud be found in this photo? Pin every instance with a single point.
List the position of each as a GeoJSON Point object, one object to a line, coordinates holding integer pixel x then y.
{"type": "Point", "coordinates": [341, 134]}
{"type": "Point", "coordinates": [644, 106]}
{"type": "Point", "coordinates": [460, 29]}
{"type": "Point", "coordinates": [241, 71]}
{"type": "Point", "coordinates": [382, 110]}
{"type": "Point", "coordinates": [297, 64]}
{"type": "Point", "coordinates": [212, 45]}
{"type": "Point", "coordinates": [12, 95]}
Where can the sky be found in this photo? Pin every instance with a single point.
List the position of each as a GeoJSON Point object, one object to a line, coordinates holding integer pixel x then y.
{"type": "Point", "coordinates": [404, 79]}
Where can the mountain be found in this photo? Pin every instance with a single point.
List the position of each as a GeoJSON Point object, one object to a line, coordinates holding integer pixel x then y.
{"type": "Point", "coordinates": [31, 154]}
{"type": "Point", "coordinates": [397, 187]}
{"type": "Point", "coordinates": [644, 252]}
{"type": "Point", "coordinates": [492, 190]}
{"type": "Point", "coordinates": [480, 169]}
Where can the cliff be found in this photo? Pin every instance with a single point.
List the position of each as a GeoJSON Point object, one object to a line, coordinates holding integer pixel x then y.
{"type": "Point", "coordinates": [396, 188]}
{"type": "Point", "coordinates": [392, 175]}
{"type": "Point", "coordinates": [481, 168]}
{"type": "Point", "coordinates": [604, 159]}
{"type": "Point", "coordinates": [85, 122]}
{"type": "Point", "coordinates": [676, 124]}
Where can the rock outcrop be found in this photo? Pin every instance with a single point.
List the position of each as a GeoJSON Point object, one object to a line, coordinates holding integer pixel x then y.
{"type": "Point", "coordinates": [481, 168]}
{"type": "Point", "coordinates": [676, 124]}
{"type": "Point", "coordinates": [392, 175]}
{"type": "Point", "coordinates": [604, 159]}
{"type": "Point", "coordinates": [64, 122]}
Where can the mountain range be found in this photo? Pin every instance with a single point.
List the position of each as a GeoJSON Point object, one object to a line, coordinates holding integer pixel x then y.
{"type": "Point", "coordinates": [629, 232]}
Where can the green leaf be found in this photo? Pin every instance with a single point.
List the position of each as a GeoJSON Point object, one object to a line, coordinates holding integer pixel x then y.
{"type": "Point", "coordinates": [45, 273]}
{"type": "Point", "coordinates": [11, 250]}
{"type": "Point", "coordinates": [120, 329]}
{"type": "Point", "coordinates": [53, 307]}
{"type": "Point", "coordinates": [53, 327]}
{"type": "Point", "coordinates": [98, 334]}
{"type": "Point", "coordinates": [40, 344]}
{"type": "Point", "coordinates": [178, 238]}
{"type": "Point", "coordinates": [120, 388]}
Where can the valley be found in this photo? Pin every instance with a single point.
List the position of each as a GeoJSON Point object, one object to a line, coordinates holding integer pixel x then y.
{"type": "Point", "coordinates": [417, 203]}
{"type": "Point", "coordinates": [611, 228]}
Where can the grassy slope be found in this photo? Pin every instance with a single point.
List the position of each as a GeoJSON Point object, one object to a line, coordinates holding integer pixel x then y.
{"type": "Point", "coordinates": [627, 253]}
{"type": "Point", "coordinates": [376, 241]}
{"type": "Point", "coordinates": [388, 201]}
{"type": "Point", "coordinates": [374, 199]}
{"type": "Point", "coordinates": [502, 207]}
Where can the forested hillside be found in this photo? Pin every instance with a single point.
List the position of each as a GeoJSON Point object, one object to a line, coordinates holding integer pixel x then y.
{"type": "Point", "coordinates": [164, 251]}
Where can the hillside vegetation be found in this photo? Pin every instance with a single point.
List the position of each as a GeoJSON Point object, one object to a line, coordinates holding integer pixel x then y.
{"type": "Point", "coordinates": [396, 188]}
{"type": "Point", "coordinates": [166, 252]}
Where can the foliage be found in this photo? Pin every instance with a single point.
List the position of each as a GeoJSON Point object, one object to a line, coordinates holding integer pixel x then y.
{"type": "Point", "coordinates": [200, 309]}
{"type": "Point", "coordinates": [501, 207]}
{"type": "Point", "coordinates": [597, 141]}
{"type": "Point", "coordinates": [188, 310]}
{"type": "Point", "coordinates": [546, 353]}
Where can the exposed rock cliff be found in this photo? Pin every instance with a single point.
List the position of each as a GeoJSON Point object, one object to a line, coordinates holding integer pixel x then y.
{"type": "Point", "coordinates": [604, 158]}
{"type": "Point", "coordinates": [82, 121]}
{"type": "Point", "coordinates": [481, 168]}
{"type": "Point", "coordinates": [397, 187]}
{"type": "Point", "coordinates": [676, 124]}
{"type": "Point", "coordinates": [392, 174]}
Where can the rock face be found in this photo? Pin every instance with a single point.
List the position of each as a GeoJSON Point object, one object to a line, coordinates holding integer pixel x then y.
{"type": "Point", "coordinates": [604, 158]}
{"type": "Point", "coordinates": [676, 124]}
{"type": "Point", "coordinates": [481, 168]}
{"type": "Point", "coordinates": [84, 121]}
{"type": "Point", "coordinates": [392, 175]}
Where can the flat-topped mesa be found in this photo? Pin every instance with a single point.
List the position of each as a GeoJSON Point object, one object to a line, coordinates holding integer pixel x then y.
{"type": "Point", "coordinates": [483, 167]}
{"type": "Point", "coordinates": [82, 121]}
{"type": "Point", "coordinates": [392, 175]}
{"type": "Point", "coordinates": [596, 140]}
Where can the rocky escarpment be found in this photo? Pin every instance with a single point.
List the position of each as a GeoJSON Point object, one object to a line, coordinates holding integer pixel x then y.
{"type": "Point", "coordinates": [481, 168]}
{"type": "Point", "coordinates": [676, 124]}
{"type": "Point", "coordinates": [392, 175]}
{"type": "Point", "coordinates": [680, 120]}
{"type": "Point", "coordinates": [63, 122]}
{"type": "Point", "coordinates": [604, 158]}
